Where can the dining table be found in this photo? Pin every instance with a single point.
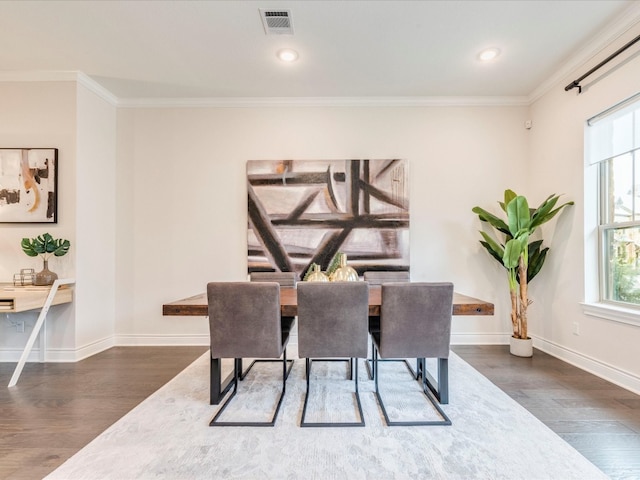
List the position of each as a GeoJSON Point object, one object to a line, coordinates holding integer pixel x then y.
{"type": "Point", "coordinates": [198, 306]}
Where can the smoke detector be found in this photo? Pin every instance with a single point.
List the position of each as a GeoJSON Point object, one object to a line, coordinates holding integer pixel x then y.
{"type": "Point", "coordinates": [276, 22]}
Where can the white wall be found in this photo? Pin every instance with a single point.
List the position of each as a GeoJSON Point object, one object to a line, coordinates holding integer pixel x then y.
{"type": "Point", "coordinates": [187, 211]}
{"type": "Point", "coordinates": [96, 223]}
{"type": "Point", "coordinates": [124, 266]}
{"type": "Point", "coordinates": [40, 114]}
{"type": "Point", "coordinates": [68, 116]}
{"type": "Point", "coordinates": [556, 164]}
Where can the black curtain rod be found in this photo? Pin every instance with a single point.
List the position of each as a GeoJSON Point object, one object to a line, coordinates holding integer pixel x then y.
{"type": "Point", "coordinates": [576, 83]}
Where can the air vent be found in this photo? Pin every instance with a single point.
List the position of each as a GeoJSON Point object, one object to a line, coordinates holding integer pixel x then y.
{"type": "Point", "coordinates": [276, 22]}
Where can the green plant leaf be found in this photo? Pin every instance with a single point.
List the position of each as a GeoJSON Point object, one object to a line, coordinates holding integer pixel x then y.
{"type": "Point", "coordinates": [544, 208]}
{"type": "Point", "coordinates": [334, 264]}
{"type": "Point", "coordinates": [518, 216]}
{"type": "Point", "coordinates": [509, 195]}
{"type": "Point", "coordinates": [535, 263]}
{"type": "Point", "coordinates": [534, 247]}
{"type": "Point", "coordinates": [553, 213]}
{"type": "Point", "coordinates": [495, 246]}
{"type": "Point", "coordinates": [545, 212]}
{"type": "Point", "coordinates": [492, 252]}
{"type": "Point", "coordinates": [512, 251]}
{"type": "Point", "coordinates": [309, 271]}
{"type": "Point", "coordinates": [61, 247]}
{"type": "Point", "coordinates": [45, 245]}
{"type": "Point", "coordinates": [29, 248]}
{"type": "Point", "coordinates": [495, 222]}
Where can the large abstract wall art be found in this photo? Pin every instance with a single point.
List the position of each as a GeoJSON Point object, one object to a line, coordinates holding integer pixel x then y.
{"type": "Point", "coordinates": [305, 211]}
{"type": "Point", "coordinates": [28, 185]}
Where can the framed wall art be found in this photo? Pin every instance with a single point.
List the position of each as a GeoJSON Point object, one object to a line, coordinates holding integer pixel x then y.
{"type": "Point", "coordinates": [305, 211]}
{"type": "Point", "coordinates": [28, 185]}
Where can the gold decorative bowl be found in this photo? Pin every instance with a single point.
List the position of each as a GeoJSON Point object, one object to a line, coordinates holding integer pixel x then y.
{"type": "Point", "coordinates": [344, 273]}
{"type": "Point", "coordinates": [317, 275]}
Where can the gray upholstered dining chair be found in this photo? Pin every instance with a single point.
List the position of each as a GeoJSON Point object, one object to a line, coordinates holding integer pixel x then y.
{"type": "Point", "coordinates": [244, 321]}
{"type": "Point", "coordinates": [332, 324]}
{"type": "Point", "coordinates": [378, 277]}
{"type": "Point", "coordinates": [415, 322]}
{"type": "Point", "coordinates": [284, 279]}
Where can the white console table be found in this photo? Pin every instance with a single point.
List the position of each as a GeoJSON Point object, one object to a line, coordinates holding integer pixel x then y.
{"type": "Point", "coordinates": [15, 299]}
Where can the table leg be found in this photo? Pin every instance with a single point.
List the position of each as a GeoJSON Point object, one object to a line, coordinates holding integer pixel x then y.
{"type": "Point", "coordinates": [37, 328]}
{"type": "Point", "coordinates": [43, 343]}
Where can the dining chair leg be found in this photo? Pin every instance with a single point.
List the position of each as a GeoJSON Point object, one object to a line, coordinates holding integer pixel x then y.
{"type": "Point", "coordinates": [368, 361]}
{"type": "Point", "coordinates": [237, 369]}
{"type": "Point", "coordinates": [218, 388]}
{"type": "Point", "coordinates": [439, 388]}
{"type": "Point", "coordinates": [445, 419]}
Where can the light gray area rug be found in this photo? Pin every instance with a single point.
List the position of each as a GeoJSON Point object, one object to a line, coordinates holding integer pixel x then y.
{"type": "Point", "coordinates": [168, 435]}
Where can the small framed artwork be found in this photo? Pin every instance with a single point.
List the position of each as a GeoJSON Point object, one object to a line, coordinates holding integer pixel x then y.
{"type": "Point", "coordinates": [28, 185]}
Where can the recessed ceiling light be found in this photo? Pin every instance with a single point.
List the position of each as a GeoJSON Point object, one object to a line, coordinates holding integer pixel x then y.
{"type": "Point", "coordinates": [287, 55]}
{"type": "Point", "coordinates": [488, 54]}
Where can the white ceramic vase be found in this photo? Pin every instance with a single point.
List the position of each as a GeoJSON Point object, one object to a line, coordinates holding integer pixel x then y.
{"type": "Point", "coordinates": [521, 347]}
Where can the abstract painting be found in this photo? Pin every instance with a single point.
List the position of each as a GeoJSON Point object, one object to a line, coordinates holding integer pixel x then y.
{"type": "Point", "coordinates": [305, 211]}
{"type": "Point", "coordinates": [28, 185]}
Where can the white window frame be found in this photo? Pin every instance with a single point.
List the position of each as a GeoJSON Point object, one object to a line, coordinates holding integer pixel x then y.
{"type": "Point", "coordinates": [628, 313]}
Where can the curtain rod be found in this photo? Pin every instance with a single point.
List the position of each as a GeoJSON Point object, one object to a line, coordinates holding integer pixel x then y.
{"type": "Point", "coordinates": [576, 83]}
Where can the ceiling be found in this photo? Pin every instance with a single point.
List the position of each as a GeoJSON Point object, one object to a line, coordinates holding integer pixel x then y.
{"type": "Point", "coordinates": [348, 48]}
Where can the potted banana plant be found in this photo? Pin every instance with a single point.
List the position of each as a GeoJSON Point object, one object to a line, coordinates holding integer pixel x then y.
{"type": "Point", "coordinates": [518, 254]}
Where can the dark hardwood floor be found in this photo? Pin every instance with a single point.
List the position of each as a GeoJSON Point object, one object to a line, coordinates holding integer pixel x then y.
{"type": "Point", "coordinates": [598, 418]}
{"type": "Point", "coordinates": [58, 408]}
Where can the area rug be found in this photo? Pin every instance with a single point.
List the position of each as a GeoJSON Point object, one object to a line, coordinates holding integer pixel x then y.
{"type": "Point", "coordinates": [168, 435]}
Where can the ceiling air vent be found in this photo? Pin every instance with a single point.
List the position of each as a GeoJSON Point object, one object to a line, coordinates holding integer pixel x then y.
{"type": "Point", "coordinates": [276, 22]}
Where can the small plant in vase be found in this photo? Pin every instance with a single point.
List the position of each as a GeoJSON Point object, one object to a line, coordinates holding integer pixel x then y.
{"type": "Point", "coordinates": [45, 246]}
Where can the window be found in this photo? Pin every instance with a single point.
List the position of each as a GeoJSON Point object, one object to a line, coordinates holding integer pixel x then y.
{"type": "Point", "coordinates": [614, 144]}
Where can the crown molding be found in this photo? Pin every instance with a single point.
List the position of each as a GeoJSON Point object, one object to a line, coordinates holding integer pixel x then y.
{"type": "Point", "coordinates": [624, 22]}
{"type": "Point", "coordinates": [61, 76]}
{"type": "Point", "coordinates": [93, 86]}
{"type": "Point", "coordinates": [253, 102]}
{"type": "Point", "coordinates": [39, 76]}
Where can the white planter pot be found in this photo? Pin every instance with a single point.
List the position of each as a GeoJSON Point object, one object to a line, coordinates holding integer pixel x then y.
{"type": "Point", "coordinates": [521, 347]}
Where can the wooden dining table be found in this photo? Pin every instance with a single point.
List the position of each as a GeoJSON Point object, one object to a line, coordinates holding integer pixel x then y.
{"type": "Point", "coordinates": [198, 306]}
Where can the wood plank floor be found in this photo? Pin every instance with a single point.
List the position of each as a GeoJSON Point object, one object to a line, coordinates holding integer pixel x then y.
{"type": "Point", "coordinates": [56, 409]}
{"type": "Point", "coordinates": [599, 419]}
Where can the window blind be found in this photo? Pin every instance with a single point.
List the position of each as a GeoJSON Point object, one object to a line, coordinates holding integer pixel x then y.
{"type": "Point", "coordinates": [615, 131]}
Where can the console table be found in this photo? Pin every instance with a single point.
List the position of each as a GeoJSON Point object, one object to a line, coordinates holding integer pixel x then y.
{"type": "Point", "coordinates": [14, 299]}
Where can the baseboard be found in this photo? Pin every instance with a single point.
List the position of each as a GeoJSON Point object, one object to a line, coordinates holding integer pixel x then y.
{"type": "Point", "coordinates": [12, 355]}
{"type": "Point", "coordinates": [59, 355]}
{"type": "Point", "coordinates": [86, 350]}
{"type": "Point", "coordinates": [598, 368]}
